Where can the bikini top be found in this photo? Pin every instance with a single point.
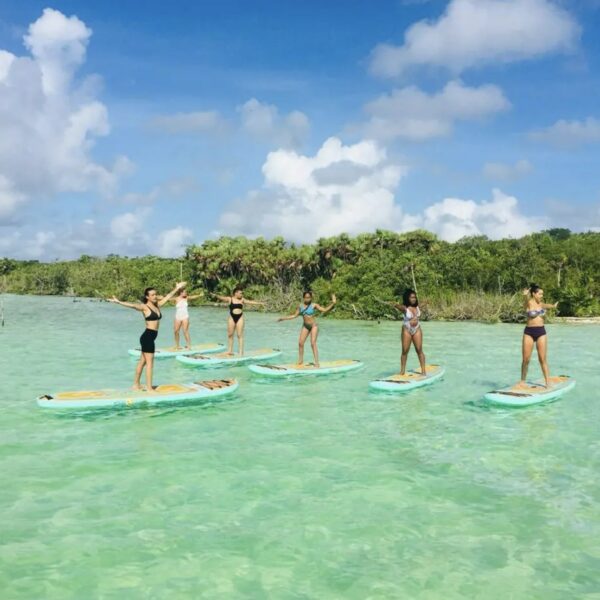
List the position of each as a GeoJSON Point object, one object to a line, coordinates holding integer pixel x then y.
{"type": "Point", "coordinates": [235, 306]}
{"type": "Point", "coordinates": [409, 316]}
{"type": "Point", "coordinates": [307, 310]}
{"type": "Point", "coordinates": [153, 316]}
{"type": "Point", "coordinates": [532, 314]}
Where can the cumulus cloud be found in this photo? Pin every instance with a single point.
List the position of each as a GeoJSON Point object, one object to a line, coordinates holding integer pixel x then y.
{"type": "Point", "coordinates": [172, 242]}
{"type": "Point", "coordinates": [264, 122]}
{"type": "Point", "coordinates": [409, 113]}
{"type": "Point", "coordinates": [569, 133]}
{"type": "Point", "coordinates": [127, 234]}
{"type": "Point", "coordinates": [340, 188]}
{"type": "Point", "coordinates": [471, 33]}
{"type": "Point", "coordinates": [209, 121]}
{"type": "Point", "coordinates": [497, 171]}
{"type": "Point", "coordinates": [454, 218]}
{"type": "Point", "coordinates": [352, 189]}
{"type": "Point", "coordinates": [49, 122]}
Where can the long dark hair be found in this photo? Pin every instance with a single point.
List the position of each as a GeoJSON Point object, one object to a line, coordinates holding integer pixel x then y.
{"type": "Point", "coordinates": [146, 292]}
{"type": "Point", "coordinates": [406, 297]}
{"type": "Point", "coordinates": [237, 288]}
{"type": "Point", "coordinates": [307, 292]}
{"type": "Point", "coordinates": [534, 288]}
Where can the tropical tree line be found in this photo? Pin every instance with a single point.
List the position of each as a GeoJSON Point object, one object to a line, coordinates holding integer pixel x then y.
{"type": "Point", "coordinates": [474, 278]}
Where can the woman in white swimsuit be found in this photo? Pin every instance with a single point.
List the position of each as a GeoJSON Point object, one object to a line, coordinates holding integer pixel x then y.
{"type": "Point", "coordinates": [182, 317]}
{"type": "Point", "coordinates": [411, 329]}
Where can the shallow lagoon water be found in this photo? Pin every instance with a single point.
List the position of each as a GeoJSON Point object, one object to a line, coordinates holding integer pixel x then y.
{"type": "Point", "coordinates": [312, 488]}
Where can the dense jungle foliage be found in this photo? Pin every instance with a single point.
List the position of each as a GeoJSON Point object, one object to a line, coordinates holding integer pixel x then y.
{"type": "Point", "coordinates": [474, 278]}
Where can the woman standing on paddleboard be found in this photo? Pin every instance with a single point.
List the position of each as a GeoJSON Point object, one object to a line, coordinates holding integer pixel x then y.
{"type": "Point", "coordinates": [235, 322]}
{"type": "Point", "coordinates": [309, 326]}
{"type": "Point", "coordinates": [535, 332]}
{"type": "Point", "coordinates": [182, 317]}
{"type": "Point", "coordinates": [411, 329]}
{"type": "Point", "coordinates": [150, 308]}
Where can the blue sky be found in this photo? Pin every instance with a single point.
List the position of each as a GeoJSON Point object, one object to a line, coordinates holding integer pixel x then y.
{"type": "Point", "coordinates": [206, 118]}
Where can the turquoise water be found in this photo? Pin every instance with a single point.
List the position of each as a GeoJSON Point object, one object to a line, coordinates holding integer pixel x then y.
{"type": "Point", "coordinates": [305, 489]}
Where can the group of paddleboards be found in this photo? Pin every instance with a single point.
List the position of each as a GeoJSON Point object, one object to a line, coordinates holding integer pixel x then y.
{"type": "Point", "coordinates": [208, 355]}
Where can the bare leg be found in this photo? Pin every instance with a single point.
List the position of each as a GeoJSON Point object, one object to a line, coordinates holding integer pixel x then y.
{"type": "Point", "coordinates": [314, 333]}
{"type": "Point", "coordinates": [406, 340]}
{"type": "Point", "coordinates": [417, 340]}
{"type": "Point", "coordinates": [149, 368]}
{"type": "Point", "coordinates": [176, 329]}
{"type": "Point", "coordinates": [186, 333]}
{"type": "Point", "coordinates": [230, 330]}
{"type": "Point", "coordinates": [527, 350]}
{"type": "Point", "coordinates": [138, 372]}
{"type": "Point", "coordinates": [239, 329]}
{"type": "Point", "coordinates": [542, 348]}
{"type": "Point", "coordinates": [303, 335]}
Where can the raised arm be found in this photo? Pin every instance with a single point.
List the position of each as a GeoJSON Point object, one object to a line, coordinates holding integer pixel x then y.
{"type": "Point", "coordinates": [290, 317]}
{"type": "Point", "coordinates": [526, 298]}
{"type": "Point", "coordinates": [166, 298]}
{"type": "Point", "coordinates": [134, 305]}
{"type": "Point", "coordinates": [325, 310]}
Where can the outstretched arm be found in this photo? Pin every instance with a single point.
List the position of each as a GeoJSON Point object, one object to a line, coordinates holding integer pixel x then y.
{"type": "Point", "coordinates": [134, 305]}
{"type": "Point", "coordinates": [555, 305]}
{"type": "Point", "coordinates": [325, 310]}
{"type": "Point", "coordinates": [225, 299]}
{"type": "Point", "coordinates": [296, 314]}
{"type": "Point", "coordinates": [194, 296]}
{"type": "Point", "coordinates": [254, 302]}
{"type": "Point", "coordinates": [164, 300]}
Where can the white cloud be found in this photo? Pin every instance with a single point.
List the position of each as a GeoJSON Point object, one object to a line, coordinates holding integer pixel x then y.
{"type": "Point", "coordinates": [302, 202]}
{"type": "Point", "coordinates": [412, 114]}
{"type": "Point", "coordinates": [471, 33]}
{"type": "Point", "coordinates": [130, 225]}
{"type": "Point", "coordinates": [496, 171]}
{"type": "Point", "coordinates": [264, 122]}
{"type": "Point", "coordinates": [48, 123]}
{"type": "Point", "coordinates": [126, 234]}
{"type": "Point", "coordinates": [351, 189]}
{"type": "Point", "coordinates": [193, 122]}
{"type": "Point", "coordinates": [454, 218]}
{"type": "Point", "coordinates": [172, 242]}
{"type": "Point", "coordinates": [569, 133]}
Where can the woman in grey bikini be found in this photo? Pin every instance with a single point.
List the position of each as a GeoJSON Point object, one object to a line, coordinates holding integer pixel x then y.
{"type": "Point", "coordinates": [535, 332]}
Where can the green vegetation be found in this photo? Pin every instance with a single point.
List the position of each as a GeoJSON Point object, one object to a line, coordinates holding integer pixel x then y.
{"type": "Point", "coordinates": [474, 278]}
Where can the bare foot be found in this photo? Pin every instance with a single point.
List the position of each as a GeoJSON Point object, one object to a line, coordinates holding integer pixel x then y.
{"type": "Point", "coordinates": [137, 388]}
{"type": "Point", "coordinates": [152, 390]}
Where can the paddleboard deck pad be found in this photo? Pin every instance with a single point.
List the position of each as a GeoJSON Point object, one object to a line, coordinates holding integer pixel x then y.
{"type": "Point", "coordinates": [177, 392]}
{"type": "Point", "coordinates": [172, 352]}
{"type": "Point", "coordinates": [531, 392]}
{"type": "Point", "coordinates": [326, 368]}
{"type": "Point", "coordinates": [223, 358]}
{"type": "Point", "coordinates": [409, 381]}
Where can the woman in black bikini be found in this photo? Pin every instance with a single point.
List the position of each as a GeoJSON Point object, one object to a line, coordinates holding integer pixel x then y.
{"type": "Point", "coordinates": [150, 308]}
{"type": "Point", "coordinates": [535, 332]}
{"type": "Point", "coordinates": [309, 324]}
{"type": "Point", "coordinates": [235, 322]}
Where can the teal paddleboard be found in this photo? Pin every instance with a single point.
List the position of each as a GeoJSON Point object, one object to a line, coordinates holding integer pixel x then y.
{"type": "Point", "coordinates": [326, 368]}
{"type": "Point", "coordinates": [409, 381]}
{"type": "Point", "coordinates": [531, 392]}
{"type": "Point", "coordinates": [173, 352]}
{"type": "Point", "coordinates": [177, 392]}
{"type": "Point", "coordinates": [223, 359]}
